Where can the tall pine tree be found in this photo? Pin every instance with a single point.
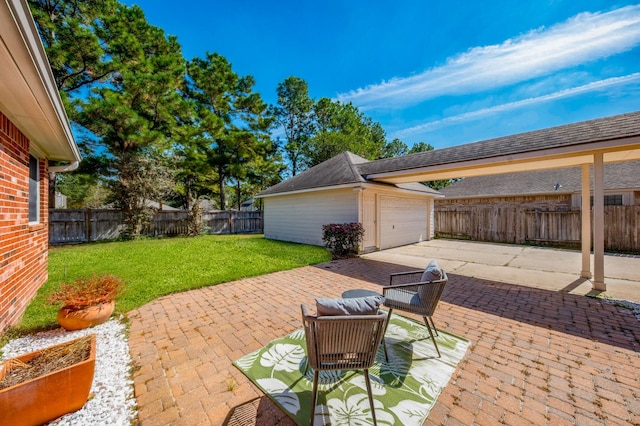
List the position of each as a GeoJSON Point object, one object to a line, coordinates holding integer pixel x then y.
{"type": "Point", "coordinates": [134, 112]}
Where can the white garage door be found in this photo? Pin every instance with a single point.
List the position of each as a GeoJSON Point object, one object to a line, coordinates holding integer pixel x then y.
{"type": "Point", "coordinates": [403, 221]}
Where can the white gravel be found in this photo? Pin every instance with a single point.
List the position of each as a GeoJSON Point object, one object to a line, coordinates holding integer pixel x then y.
{"type": "Point", "coordinates": [113, 402]}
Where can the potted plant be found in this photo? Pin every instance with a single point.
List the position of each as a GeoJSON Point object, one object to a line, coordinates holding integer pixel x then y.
{"type": "Point", "coordinates": [86, 301]}
{"type": "Point", "coordinates": [43, 385]}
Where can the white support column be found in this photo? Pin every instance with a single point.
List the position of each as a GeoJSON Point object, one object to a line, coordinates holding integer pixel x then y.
{"type": "Point", "coordinates": [598, 223]}
{"type": "Point", "coordinates": [586, 222]}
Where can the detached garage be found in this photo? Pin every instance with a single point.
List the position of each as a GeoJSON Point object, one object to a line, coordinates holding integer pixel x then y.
{"type": "Point", "coordinates": [336, 192]}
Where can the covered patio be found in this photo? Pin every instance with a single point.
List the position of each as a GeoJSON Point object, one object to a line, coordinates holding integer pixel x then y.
{"type": "Point", "coordinates": [538, 355]}
{"type": "Point", "coordinates": [588, 144]}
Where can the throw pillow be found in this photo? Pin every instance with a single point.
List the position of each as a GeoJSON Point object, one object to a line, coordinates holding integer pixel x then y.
{"type": "Point", "coordinates": [432, 272]}
{"type": "Point", "coordinates": [355, 306]}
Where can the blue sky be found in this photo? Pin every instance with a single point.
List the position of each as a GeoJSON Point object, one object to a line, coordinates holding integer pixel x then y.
{"type": "Point", "coordinates": [443, 72]}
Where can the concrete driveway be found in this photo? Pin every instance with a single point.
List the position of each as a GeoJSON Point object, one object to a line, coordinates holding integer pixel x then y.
{"type": "Point", "coordinates": [539, 267]}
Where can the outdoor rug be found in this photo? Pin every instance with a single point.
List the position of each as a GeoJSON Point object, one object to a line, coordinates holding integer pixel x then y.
{"type": "Point", "coordinates": [404, 389]}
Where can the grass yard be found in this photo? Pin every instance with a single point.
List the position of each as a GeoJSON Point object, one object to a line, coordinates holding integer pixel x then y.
{"type": "Point", "coordinates": [154, 268]}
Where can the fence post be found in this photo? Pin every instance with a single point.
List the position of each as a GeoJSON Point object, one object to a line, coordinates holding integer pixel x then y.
{"type": "Point", "coordinates": [88, 225]}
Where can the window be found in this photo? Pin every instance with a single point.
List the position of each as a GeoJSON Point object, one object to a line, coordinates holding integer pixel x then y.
{"type": "Point", "coordinates": [610, 200]}
{"type": "Point", "coordinates": [34, 189]}
{"type": "Point", "coordinates": [613, 200]}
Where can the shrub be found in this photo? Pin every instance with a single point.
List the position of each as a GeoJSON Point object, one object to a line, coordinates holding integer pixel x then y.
{"type": "Point", "coordinates": [85, 292]}
{"type": "Point", "coordinates": [343, 239]}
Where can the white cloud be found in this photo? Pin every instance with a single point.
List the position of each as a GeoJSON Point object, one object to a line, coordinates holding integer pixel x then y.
{"type": "Point", "coordinates": [474, 115]}
{"type": "Point", "coordinates": [584, 38]}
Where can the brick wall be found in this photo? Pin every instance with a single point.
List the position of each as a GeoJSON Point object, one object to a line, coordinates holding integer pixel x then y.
{"type": "Point", "coordinates": [23, 247]}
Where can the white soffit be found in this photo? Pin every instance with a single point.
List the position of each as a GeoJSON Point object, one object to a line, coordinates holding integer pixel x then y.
{"type": "Point", "coordinates": [28, 95]}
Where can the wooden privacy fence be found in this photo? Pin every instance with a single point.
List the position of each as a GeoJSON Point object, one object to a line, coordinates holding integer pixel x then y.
{"type": "Point", "coordinates": [68, 226]}
{"type": "Point", "coordinates": [520, 225]}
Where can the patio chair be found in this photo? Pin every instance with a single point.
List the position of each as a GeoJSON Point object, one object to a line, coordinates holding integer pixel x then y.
{"type": "Point", "coordinates": [342, 342]}
{"type": "Point", "coordinates": [416, 292]}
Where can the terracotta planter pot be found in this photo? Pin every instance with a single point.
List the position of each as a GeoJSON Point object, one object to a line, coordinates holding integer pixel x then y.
{"type": "Point", "coordinates": [50, 396]}
{"type": "Point", "coordinates": [72, 319]}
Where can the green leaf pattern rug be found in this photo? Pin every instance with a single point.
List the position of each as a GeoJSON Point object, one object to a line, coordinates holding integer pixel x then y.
{"type": "Point", "coordinates": [404, 389]}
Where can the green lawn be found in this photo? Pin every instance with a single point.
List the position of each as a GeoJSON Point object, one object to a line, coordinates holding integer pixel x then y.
{"type": "Point", "coordinates": [154, 268]}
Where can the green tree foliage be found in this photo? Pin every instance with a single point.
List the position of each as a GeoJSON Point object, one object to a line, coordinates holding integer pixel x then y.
{"type": "Point", "coordinates": [69, 31]}
{"type": "Point", "coordinates": [395, 148]}
{"type": "Point", "coordinates": [84, 188]}
{"type": "Point", "coordinates": [342, 127]}
{"type": "Point", "coordinates": [231, 120]}
{"type": "Point", "coordinates": [421, 147]}
{"type": "Point", "coordinates": [141, 178]}
{"type": "Point", "coordinates": [262, 172]}
{"type": "Point", "coordinates": [133, 113]}
{"type": "Point", "coordinates": [195, 177]}
{"type": "Point", "coordinates": [293, 114]}
{"type": "Point", "coordinates": [78, 60]}
{"type": "Point", "coordinates": [317, 131]}
{"type": "Point", "coordinates": [146, 115]}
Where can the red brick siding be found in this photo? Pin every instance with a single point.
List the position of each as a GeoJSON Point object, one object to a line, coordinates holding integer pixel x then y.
{"type": "Point", "coordinates": [23, 247]}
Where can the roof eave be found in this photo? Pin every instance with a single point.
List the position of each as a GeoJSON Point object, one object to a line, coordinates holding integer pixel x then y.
{"type": "Point", "coordinates": [623, 149]}
{"type": "Point", "coordinates": [365, 185]}
{"type": "Point", "coordinates": [306, 190]}
{"type": "Point", "coordinates": [30, 98]}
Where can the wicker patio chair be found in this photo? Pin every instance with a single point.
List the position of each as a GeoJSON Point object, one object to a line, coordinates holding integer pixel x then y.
{"type": "Point", "coordinates": [406, 292]}
{"type": "Point", "coordinates": [342, 342]}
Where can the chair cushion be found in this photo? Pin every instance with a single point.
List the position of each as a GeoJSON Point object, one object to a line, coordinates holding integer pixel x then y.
{"type": "Point", "coordinates": [402, 299]}
{"type": "Point", "coordinates": [354, 306]}
{"type": "Point", "coordinates": [432, 272]}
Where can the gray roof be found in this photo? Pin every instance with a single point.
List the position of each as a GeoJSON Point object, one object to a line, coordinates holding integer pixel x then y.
{"type": "Point", "coordinates": [602, 129]}
{"type": "Point", "coordinates": [340, 170]}
{"type": "Point", "coordinates": [349, 168]}
{"type": "Point", "coordinates": [616, 176]}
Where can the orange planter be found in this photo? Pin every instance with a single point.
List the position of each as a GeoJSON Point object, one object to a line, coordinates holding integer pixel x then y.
{"type": "Point", "coordinates": [84, 318]}
{"type": "Point", "coordinates": [50, 396]}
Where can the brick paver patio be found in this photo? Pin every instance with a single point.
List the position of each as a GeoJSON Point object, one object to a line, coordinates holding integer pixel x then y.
{"type": "Point", "coordinates": [537, 357]}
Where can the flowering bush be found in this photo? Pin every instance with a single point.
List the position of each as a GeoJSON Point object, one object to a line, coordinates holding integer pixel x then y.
{"type": "Point", "coordinates": [85, 292]}
{"type": "Point", "coordinates": [343, 239]}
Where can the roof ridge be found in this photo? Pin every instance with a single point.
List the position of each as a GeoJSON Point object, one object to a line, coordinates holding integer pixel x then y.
{"type": "Point", "coordinates": [353, 166]}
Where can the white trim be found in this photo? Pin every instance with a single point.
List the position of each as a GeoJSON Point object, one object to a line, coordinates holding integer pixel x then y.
{"type": "Point", "coordinates": [302, 191]}
{"type": "Point", "coordinates": [66, 168]}
{"type": "Point", "coordinates": [36, 189]}
{"type": "Point", "coordinates": [357, 185]}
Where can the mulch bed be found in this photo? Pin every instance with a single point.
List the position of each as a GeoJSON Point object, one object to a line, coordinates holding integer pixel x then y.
{"type": "Point", "coordinates": [48, 360]}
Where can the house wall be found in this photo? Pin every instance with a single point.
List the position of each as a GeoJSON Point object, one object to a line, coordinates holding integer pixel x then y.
{"type": "Point", "coordinates": [299, 217]}
{"type": "Point", "coordinates": [23, 246]}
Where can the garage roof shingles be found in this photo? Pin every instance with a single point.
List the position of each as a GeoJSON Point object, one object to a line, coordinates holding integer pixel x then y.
{"type": "Point", "coordinates": [342, 169]}
{"type": "Point", "coordinates": [602, 129]}
{"type": "Point", "coordinates": [338, 170]}
{"type": "Point", "coordinates": [616, 176]}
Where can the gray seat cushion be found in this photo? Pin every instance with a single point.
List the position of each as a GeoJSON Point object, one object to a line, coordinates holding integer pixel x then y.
{"type": "Point", "coordinates": [354, 306]}
{"type": "Point", "coordinates": [402, 299]}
